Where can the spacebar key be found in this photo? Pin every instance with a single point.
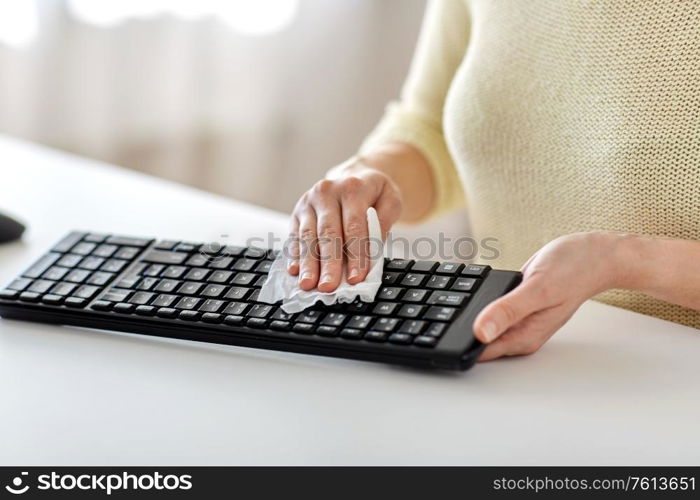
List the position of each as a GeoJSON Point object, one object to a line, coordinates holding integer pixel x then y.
{"type": "Point", "coordinates": [164, 257]}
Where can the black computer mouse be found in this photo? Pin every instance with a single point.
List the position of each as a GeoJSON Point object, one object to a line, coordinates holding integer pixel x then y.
{"type": "Point", "coordinates": [10, 229]}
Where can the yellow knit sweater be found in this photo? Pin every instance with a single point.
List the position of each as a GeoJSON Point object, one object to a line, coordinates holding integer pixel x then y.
{"type": "Point", "coordinates": [556, 116]}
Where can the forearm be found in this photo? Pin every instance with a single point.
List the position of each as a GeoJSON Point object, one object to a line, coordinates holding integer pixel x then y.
{"type": "Point", "coordinates": [664, 268]}
{"type": "Point", "coordinates": [408, 169]}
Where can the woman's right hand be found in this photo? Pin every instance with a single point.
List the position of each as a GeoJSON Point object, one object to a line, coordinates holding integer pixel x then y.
{"type": "Point", "coordinates": [329, 225]}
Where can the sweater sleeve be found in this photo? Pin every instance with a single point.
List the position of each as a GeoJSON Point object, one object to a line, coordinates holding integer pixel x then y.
{"type": "Point", "coordinates": [416, 118]}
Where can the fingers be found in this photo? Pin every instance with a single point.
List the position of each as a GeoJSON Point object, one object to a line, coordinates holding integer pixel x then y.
{"type": "Point", "coordinates": [293, 250]}
{"type": "Point", "coordinates": [527, 336]}
{"type": "Point", "coordinates": [308, 241]}
{"type": "Point", "coordinates": [330, 244]}
{"type": "Point", "coordinates": [507, 311]}
{"type": "Point", "coordinates": [356, 234]}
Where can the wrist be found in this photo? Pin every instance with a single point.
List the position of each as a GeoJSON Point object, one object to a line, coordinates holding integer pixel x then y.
{"type": "Point", "coordinates": [633, 260]}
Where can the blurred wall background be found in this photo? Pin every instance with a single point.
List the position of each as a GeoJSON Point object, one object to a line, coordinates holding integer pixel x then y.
{"type": "Point", "coordinates": [186, 92]}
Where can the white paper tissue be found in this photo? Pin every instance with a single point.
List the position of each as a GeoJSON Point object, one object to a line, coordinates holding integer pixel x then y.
{"type": "Point", "coordinates": [280, 285]}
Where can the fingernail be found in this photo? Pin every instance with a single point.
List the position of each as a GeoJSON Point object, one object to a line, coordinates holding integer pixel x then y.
{"type": "Point", "coordinates": [354, 273]}
{"type": "Point", "coordinates": [306, 276]}
{"type": "Point", "coordinates": [326, 278]}
{"type": "Point", "coordinates": [489, 331]}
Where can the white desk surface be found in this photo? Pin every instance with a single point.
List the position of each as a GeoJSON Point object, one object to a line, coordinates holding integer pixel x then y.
{"type": "Point", "coordinates": [612, 387]}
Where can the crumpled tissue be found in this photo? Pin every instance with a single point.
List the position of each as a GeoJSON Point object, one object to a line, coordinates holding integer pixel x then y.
{"type": "Point", "coordinates": [281, 286]}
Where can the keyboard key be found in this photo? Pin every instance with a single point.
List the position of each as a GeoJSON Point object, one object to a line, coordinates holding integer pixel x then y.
{"type": "Point", "coordinates": [327, 331]}
{"type": "Point", "coordinates": [51, 299]}
{"type": "Point", "coordinates": [95, 237]}
{"type": "Point", "coordinates": [398, 264]}
{"type": "Point", "coordinates": [105, 250]}
{"type": "Point", "coordinates": [385, 308]}
{"type": "Point", "coordinates": [186, 247]}
{"type": "Point", "coordinates": [174, 272]}
{"type": "Point", "coordinates": [424, 266]}
{"type": "Point", "coordinates": [440, 313]}
{"type": "Point", "coordinates": [213, 290]}
{"type": "Point", "coordinates": [219, 277]}
{"type": "Point", "coordinates": [211, 317]}
{"type": "Point", "coordinates": [67, 242]}
{"type": "Point", "coordinates": [259, 311]}
{"type": "Point", "coordinates": [400, 338]}
{"type": "Point", "coordinates": [359, 306]}
{"type": "Point", "coordinates": [154, 270]}
{"type": "Point", "coordinates": [55, 273]}
{"type": "Point", "coordinates": [75, 302]}
{"type": "Point", "coordinates": [334, 319]}
{"type": "Point", "coordinates": [436, 329]}
{"type": "Point", "coordinates": [126, 241]}
{"type": "Point", "coordinates": [438, 282]}
{"type": "Point", "coordinates": [164, 257]}
{"type": "Point", "coordinates": [141, 298]}
{"type": "Point", "coordinates": [234, 320]}
{"type": "Point", "coordinates": [145, 310]}
{"type": "Point", "coordinates": [197, 260]}
{"type": "Point", "coordinates": [256, 322]}
{"type": "Point", "coordinates": [114, 295]}
{"type": "Point", "coordinates": [413, 326]}
{"type": "Point", "coordinates": [127, 253]}
{"type": "Point", "coordinates": [389, 278]}
{"type": "Point", "coordinates": [100, 278]}
{"type": "Point", "coordinates": [165, 244]}
{"type": "Point", "coordinates": [29, 296]}
{"type": "Point", "coordinates": [389, 293]}
{"type": "Point", "coordinates": [189, 315]}
{"type": "Point", "coordinates": [303, 328]}
{"type": "Point", "coordinates": [8, 294]}
{"type": "Point", "coordinates": [464, 285]}
{"type": "Point", "coordinates": [413, 279]}
{"type": "Point", "coordinates": [245, 264]}
{"type": "Point", "coordinates": [243, 279]}
{"type": "Point", "coordinates": [260, 281]}
{"type": "Point", "coordinates": [113, 265]}
{"type": "Point", "coordinates": [281, 315]}
{"type": "Point", "coordinates": [351, 333]}
{"type": "Point", "coordinates": [187, 303]}
{"type": "Point", "coordinates": [83, 248]}
{"type": "Point", "coordinates": [167, 285]}
{"type": "Point", "coordinates": [253, 297]}
{"type": "Point", "coordinates": [237, 293]}
{"type": "Point", "coordinates": [360, 322]}
{"type": "Point", "coordinates": [264, 267]}
{"type": "Point", "coordinates": [448, 298]}
{"type": "Point", "coordinates": [411, 311]}
{"type": "Point", "coordinates": [309, 316]}
{"type": "Point", "coordinates": [189, 288]}
{"type": "Point", "coordinates": [449, 268]}
{"type": "Point", "coordinates": [123, 307]}
{"type": "Point", "coordinates": [376, 336]}
{"type": "Point", "coordinates": [167, 312]}
{"type": "Point", "coordinates": [101, 305]}
{"type": "Point", "coordinates": [164, 300]}
{"type": "Point", "coordinates": [280, 325]}
{"type": "Point", "coordinates": [63, 288]}
{"type": "Point", "coordinates": [385, 324]}
{"type": "Point", "coordinates": [86, 291]}
{"type": "Point", "coordinates": [69, 260]}
{"type": "Point", "coordinates": [41, 265]}
{"type": "Point", "coordinates": [211, 305]}
{"type": "Point", "coordinates": [475, 270]}
{"type": "Point", "coordinates": [236, 308]}
{"type": "Point", "coordinates": [91, 263]}
{"type": "Point", "coordinates": [425, 341]}
{"type": "Point", "coordinates": [22, 283]}
{"type": "Point", "coordinates": [147, 283]}
{"type": "Point", "coordinates": [220, 262]}
{"type": "Point", "coordinates": [233, 250]}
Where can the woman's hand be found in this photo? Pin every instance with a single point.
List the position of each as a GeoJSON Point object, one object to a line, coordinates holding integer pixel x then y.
{"type": "Point", "coordinates": [329, 225]}
{"type": "Point", "coordinates": [556, 281]}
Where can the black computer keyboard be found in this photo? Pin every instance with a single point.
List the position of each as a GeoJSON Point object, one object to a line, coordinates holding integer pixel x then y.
{"type": "Point", "coordinates": [422, 314]}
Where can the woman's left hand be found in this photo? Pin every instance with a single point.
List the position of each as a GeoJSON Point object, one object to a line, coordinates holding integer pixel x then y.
{"type": "Point", "coordinates": [556, 281]}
